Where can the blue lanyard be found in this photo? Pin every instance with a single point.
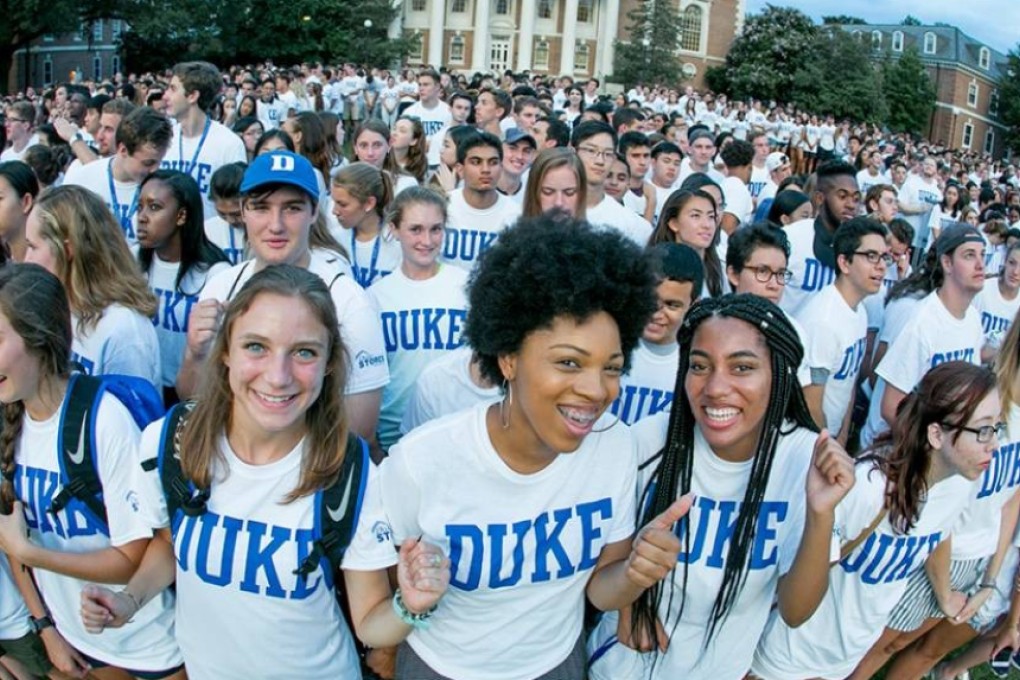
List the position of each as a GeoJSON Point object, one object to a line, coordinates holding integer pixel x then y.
{"type": "Point", "coordinates": [201, 142]}
{"type": "Point", "coordinates": [125, 222]}
{"type": "Point", "coordinates": [363, 280]}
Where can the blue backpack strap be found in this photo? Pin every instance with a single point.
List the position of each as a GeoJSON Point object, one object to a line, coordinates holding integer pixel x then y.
{"type": "Point", "coordinates": [339, 508]}
{"type": "Point", "coordinates": [179, 492]}
{"type": "Point", "coordinates": [142, 400]}
{"type": "Point", "coordinates": [79, 476]}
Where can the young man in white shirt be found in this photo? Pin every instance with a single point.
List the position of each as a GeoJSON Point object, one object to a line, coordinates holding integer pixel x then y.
{"type": "Point", "coordinates": [666, 159]}
{"type": "Point", "coordinates": [778, 167]}
{"type": "Point", "coordinates": [433, 113]}
{"type": "Point", "coordinates": [492, 107]}
{"type": "Point", "coordinates": [759, 172]}
{"type": "Point", "coordinates": [836, 323]}
{"type": "Point", "coordinates": [944, 327]}
{"type": "Point", "coordinates": [738, 156]}
{"type": "Point", "coordinates": [918, 195]}
{"type": "Point", "coordinates": [595, 144]}
{"type": "Point", "coordinates": [640, 195]}
{"type": "Point", "coordinates": [477, 211]}
{"type": "Point", "coordinates": [200, 145]}
{"type": "Point", "coordinates": [701, 142]}
{"type": "Point", "coordinates": [873, 173]}
{"type": "Point", "coordinates": [142, 139]}
{"type": "Point", "coordinates": [19, 125]}
{"type": "Point", "coordinates": [518, 153]}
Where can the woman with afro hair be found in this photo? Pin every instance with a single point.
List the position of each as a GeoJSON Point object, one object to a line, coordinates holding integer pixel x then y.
{"type": "Point", "coordinates": [533, 495]}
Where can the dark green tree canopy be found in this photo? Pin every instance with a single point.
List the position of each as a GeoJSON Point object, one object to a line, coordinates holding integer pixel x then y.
{"type": "Point", "coordinates": [1009, 99]}
{"type": "Point", "coordinates": [651, 54]}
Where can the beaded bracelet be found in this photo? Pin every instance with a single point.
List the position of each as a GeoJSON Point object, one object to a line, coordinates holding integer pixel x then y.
{"type": "Point", "coordinates": [419, 621]}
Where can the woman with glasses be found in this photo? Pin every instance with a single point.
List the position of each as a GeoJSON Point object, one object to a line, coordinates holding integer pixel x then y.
{"type": "Point", "coordinates": [911, 488]}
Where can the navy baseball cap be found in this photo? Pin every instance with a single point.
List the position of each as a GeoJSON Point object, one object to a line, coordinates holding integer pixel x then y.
{"type": "Point", "coordinates": [281, 167]}
{"type": "Point", "coordinates": [514, 135]}
{"type": "Point", "coordinates": [954, 236]}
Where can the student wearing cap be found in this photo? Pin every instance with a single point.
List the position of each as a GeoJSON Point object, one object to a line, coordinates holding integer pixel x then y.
{"type": "Point", "coordinates": [812, 260]}
{"type": "Point", "coordinates": [647, 388]}
{"type": "Point", "coordinates": [943, 327]}
{"type": "Point", "coordinates": [279, 201]}
{"type": "Point", "coordinates": [778, 167]}
{"type": "Point", "coordinates": [701, 145]}
{"type": "Point", "coordinates": [518, 153]}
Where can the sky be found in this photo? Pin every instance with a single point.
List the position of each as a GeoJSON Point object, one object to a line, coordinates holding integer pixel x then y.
{"type": "Point", "coordinates": [994, 22]}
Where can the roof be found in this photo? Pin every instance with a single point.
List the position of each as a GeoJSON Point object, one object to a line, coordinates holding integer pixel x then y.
{"type": "Point", "coordinates": [952, 46]}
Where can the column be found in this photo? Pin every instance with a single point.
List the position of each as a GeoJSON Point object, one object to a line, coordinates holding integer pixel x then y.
{"type": "Point", "coordinates": [437, 12]}
{"type": "Point", "coordinates": [526, 35]}
{"type": "Point", "coordinates": [569, 38]}
{"type": "Point", "coordinates": [609, 15]}
{"type": "Point", "coordinates": [396, 27]}
{"type": "Point", "coordinates": [480, 39]}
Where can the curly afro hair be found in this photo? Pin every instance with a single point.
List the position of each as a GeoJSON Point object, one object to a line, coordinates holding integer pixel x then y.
{"type": "Point", "coordinates": [551, 266]}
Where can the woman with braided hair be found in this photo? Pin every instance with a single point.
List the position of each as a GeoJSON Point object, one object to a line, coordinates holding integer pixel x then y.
{"type": "Point", "coordinates": [741, 439]}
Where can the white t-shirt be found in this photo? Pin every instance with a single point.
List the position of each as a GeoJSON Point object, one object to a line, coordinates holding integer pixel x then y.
{"type": "Point", "coordinates": [470, 231]}
{"type": "Point", "coordinates": [738, 200]}
{"type": "Point", "coordinates": [865, 180]}
{"type": "Point", "coordinates": [242, 612]}
{"type": "Point", "coordinates": [522, 546]}
{"type": "Point", "coordinates": [200, 157]}
{"type": "Point", "coordinates": [9, 154]}
{"type": "Point", "coordinates": [231, 240]}
{"type": "Point", "coordinates": [123, 341]}
{"type": "Point", "coordinates": [148, 643]}
{"type": "Point", "coordinates": [434, 121]}
{"type": "Point", "coordinates": [421, 321]}
{"type": "Point", "coordinates": [175, 305]}
{"type": "Point", "coordinates": [444, 387]}
{"type": "Point", "coordinates": [610, 214]}
{"type": "Point", "coordinates": [122, 202]}
{"type": "Point", "coordinates": [13, 610]}
{"type": "Point", "coordinates": [632, 201]}
{"type": "Point", "coordinates": [359, 321]}
{"type": "Point", "coordinates": [874, 304]}
{"type": "Point", "coordinates": [809, 275]}
{"type": "Point", "coordinates": [759, 178]}
{"type": "Point", "coordinates": [976, 533]}
{"type": "Point", "coordinates": [271, 114]}
{"type": "Point", "coordinates": [834, 347]}
{"type": "Point", "coordinates": [647, 388]}
{"type": "Point", "coordinates": [915, 191]}
{"type": "Point", "coordinates": [720, 486]}
{"type": "Point", "coordinates": [864, 587]}
{"type": "Point", "coordinates": [932, 336]}
{"type": "Point", "coordinates": [372, 260]}
{"type": "Point", "coordinates": [997, 313]}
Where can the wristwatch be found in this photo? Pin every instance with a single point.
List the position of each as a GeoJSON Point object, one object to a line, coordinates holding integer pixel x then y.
{"type": "Point", "coordinates": [78, 137]}
{"type": "Point", "coordinates": [40, 624]}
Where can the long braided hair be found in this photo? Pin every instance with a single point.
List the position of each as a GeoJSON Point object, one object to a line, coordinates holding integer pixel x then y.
{"type": "Point", "coordinates": [674, 474]}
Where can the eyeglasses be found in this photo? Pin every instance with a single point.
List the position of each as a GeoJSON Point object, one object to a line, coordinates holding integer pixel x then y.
{"type": "Point", "coordinates": [604, 154]}
{"type": "Point", "coordinates": [874, 257]}
{"type": "Point", "coordinates": [984, 434]}
{"type": "Point", "coordinates": [18, 120]}
{"type": "Point", "coordinates": [900, 256]}
{"type": "Point", "coordinates": [762, 274]}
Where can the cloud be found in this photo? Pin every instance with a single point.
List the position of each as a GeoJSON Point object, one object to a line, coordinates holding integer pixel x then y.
{"type": "Point", "coordinates": [971, 17]}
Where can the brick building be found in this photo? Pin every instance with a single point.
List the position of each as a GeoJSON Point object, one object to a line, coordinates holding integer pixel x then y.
{"type": "Point", "coordinates": [966, 73]}
{"type": "Point", "coordinates": [93, 53]}
{"type": "Point", "coordinates": [558, 37]}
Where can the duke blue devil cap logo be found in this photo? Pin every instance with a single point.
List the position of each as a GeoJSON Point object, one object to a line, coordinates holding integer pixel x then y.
{"type": "Point", "coordinates": [281, 167]}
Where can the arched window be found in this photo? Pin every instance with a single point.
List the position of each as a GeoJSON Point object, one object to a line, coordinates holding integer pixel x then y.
{"type": "Point", "coordinates": [984, 58]}
{"type": "Point", "coordinates": [690, 24]}
{"type": "Point", "coordinates": [897, 41]}
{"type": "Point", "coordinates": [931, 43]}
{"type": "Point", "coordinates": [876, 40]}
{"type": "Point", "coordinates": [972, 94]}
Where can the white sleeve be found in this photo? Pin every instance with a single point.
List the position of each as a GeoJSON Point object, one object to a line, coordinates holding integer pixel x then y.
{"type": "Point", "coordinates": [117, 458]}
{"type": "Point", "coordinates": [147, 484]}
{"type": "Point", "coordinates": [130, 351]}
{"type": "Point", "coordinates": [372, 547]}
{"type": "Point", "coordinates": [400, 494]}
{"type": "Point", "coordinates": [625, 518]}
{"type": "Point", "coordinates": [419, 409]}
{"type": "Point", "coordinates": [363, 336]}
{"type": "Point", "coordinates": [905, 363]}
{"type": "Point", "coordinates": [821, 349]}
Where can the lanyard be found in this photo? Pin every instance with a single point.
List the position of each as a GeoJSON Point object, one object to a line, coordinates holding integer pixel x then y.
{"type": "Point", "coordinates": [201, 142]}
{"type": "Point", "coordinates": [364, 280]}
{"type": "Point", "coordinates": [125, 222]}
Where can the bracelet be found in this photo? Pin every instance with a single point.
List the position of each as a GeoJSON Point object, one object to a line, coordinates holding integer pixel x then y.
{"type": "Point", "coordinates": [418, 621]}
{"type": "Point", "coordinates": [134, 601]}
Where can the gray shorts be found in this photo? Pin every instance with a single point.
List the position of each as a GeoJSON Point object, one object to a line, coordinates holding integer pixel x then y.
{"type": "Point", "coordinates": [918, 602]}
{"type": "Point", "coordinates": [411, 667]}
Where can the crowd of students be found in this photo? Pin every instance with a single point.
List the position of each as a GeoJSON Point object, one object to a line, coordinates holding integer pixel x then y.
{"type": "Point", "coordinates": [237, 365]}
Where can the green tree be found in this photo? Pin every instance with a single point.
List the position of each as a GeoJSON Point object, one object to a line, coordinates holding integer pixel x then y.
{"type": "Point", "coordinates": [910, 20]}
{"type": "Point", "coordinates": [843, 19]}
{"type": "Point", "coordinates": [840, 79]}
{"type": "Point", "coordinates": [763, 60]}
{"type": "Point", "coordinates": [909, 92]}
{"type": "Point", "coordinates": [650, 55]}
{"type": "Point", "coordinates": [1009, 99]}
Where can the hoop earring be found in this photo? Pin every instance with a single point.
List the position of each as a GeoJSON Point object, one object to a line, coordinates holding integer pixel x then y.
{"type": "Point", "coordinates": [505, 405]}
{"type": "Point", "coordinates": [606, 429]}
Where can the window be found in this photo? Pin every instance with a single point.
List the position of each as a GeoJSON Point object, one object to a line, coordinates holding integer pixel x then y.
{"type": "Point", "coordinates": [115, 64]}
{"type": "Point", "coordinates": [503, 7]}
{"type": "Point", "coordinates": [581, 57]}
{"type": "Point", "coordinates": [968, 135]}
{"type": "Point", "coordinates": [49, 37]}
{"type": "Point", "coordinates": [584, 11]}
{"type": "Point", "coordinates": [97, 68]}
{"type": "Point", "coordinates": [972, 94]}
{"type": "Point", "coordinates": [993, 103]}
{"type": "Point", "coordinates": [457, 50]}
{"type": "Point", "coordinates": [541, 60]}
{"type": "Point", "coordinates": [984, 58]}
{"type": "Point", "coordinates": [415, 53]}
{"type": "Point", "coordinates": [897, 41]}
{"type": "Point", "coordinates": [876, 40]}
{"type": "Point", "coordinates": [856, 35]}
{"type": "Point", "coordinates": [47, 70]}
{"type": "Point", "coordinates": [690, 26]}
{"type": "Point", "coordinates": [930, 43]}
{"type": "Point", "coordinates": [417, 5]}
{"type": "Point", "coordinates": [458, 7]}
{"type": "Point", "coordinates": [989, 140]}
{"type": "Point", "coordinates": [545, 9]}
{"type": "Point", "coordinates": [116, 28]}
{"type": "Point", "coordinates": [97, 30]}
{"type": "Point", "coordinates": [79, 35]}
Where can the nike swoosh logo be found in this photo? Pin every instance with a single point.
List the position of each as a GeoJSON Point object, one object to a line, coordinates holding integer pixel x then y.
{"type": "Point", "coordinates": [337, 514]}
{"type": "Point", "coordinates": [78, 455]}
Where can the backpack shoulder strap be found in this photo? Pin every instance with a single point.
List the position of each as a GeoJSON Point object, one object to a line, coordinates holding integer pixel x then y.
{"type": "Point", "coordinates": [848, 548]}
{"type": "Point", "coordinates": [339, 508]}
{"type": "Point", "coordinates": [180, 494]}
{"type": "Point", "coordinates": [79, 476]}
{"type": "Point", "coordinates": [240, 275]}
